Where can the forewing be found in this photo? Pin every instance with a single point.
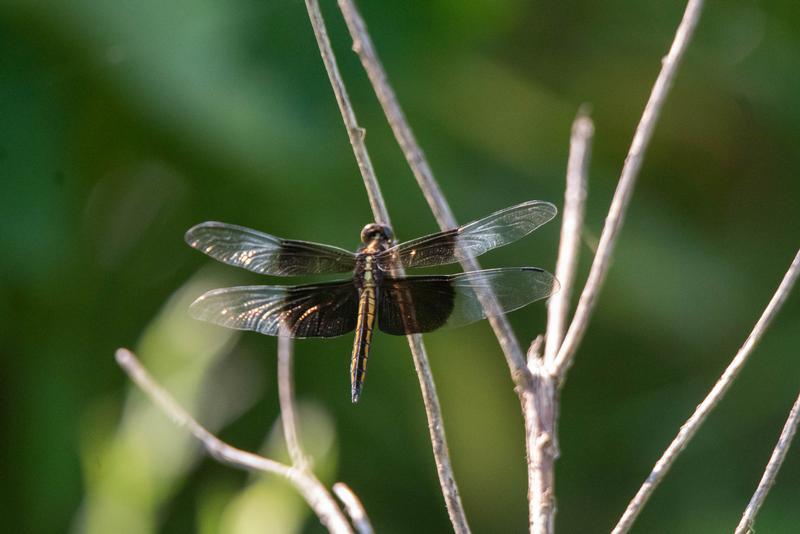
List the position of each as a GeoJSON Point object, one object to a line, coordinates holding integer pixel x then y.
{"type": "Point", "coordinates": [472, 239]}
{"type": "Point", "coordinates": [317, 310]}
{"type": "Point", "coordinates": [266, 254]}
{"type": "Point", "coordinates": [419, 304]}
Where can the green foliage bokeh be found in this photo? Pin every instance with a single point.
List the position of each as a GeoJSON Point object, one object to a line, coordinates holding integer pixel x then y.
{"type": "Point", "coordinates": [124, 123]}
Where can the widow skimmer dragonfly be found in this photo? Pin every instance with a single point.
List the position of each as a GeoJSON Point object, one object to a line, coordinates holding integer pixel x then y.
{"type": "Point", "coordinates": [400, 304]}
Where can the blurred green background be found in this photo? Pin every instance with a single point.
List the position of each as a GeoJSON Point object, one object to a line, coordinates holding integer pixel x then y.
{"type": "Point", "coordinates": [124, 123]}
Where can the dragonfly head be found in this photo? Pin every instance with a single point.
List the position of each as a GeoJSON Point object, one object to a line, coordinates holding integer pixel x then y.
{"type": "Point", "coordinates": [374, 231]}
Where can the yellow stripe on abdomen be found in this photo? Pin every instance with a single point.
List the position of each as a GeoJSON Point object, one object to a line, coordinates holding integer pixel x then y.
{"type": "Point", "coordinates": [365, 324]}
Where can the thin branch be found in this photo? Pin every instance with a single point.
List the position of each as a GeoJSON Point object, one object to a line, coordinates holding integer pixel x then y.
{"type": "Point", "coordinates": [352, 504]}
{"type": "Point", "coordinates": [690, 427]}
{"type": "Point", "coordinates": [571, 227]}
{"type": "Point", "coordinates": [540, 404]}
{"type": "Point", "coordinates": [771, 472]}
{"type": "Point", "coordinates": [363, 46]}
{"type": "Point", "coordinates": [355, 133]}
{"type": "Point", "coordinates": [430, 398]}
{"type": "Point", "coordinates": [287, 404]}
{"type": "Point", "coordinates": [353, 507]}
{"type": "Point", "coordinates": [441, 453]}
{"type": "Point", "coordinates": [622, 196]}
{"type": "Point", "coordinates": [306, 483]}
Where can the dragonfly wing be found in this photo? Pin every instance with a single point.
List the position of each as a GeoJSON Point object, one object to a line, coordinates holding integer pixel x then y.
{"type": "Point", "coordinates": [266, 254]}
{"type": "Point", "coordinates": [472, 239]}
{"type": "Point", "coordinates": [419, 304]}
{"type": "Point", "coordinates": [315, 310]}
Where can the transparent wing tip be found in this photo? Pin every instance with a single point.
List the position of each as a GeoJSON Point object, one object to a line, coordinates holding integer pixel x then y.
{"type": "Point", "coordinates": [544, 207]}
{"type": "Point", "coordinates": [199, 309]}
{"type": "Point", "coordinates": [193, 234]}
{"type": "Point", "coordinates": [550, 283]}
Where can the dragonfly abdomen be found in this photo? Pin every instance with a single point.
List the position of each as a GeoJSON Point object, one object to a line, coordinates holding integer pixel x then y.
{"type": "Point", "coordinates": [365, 325]}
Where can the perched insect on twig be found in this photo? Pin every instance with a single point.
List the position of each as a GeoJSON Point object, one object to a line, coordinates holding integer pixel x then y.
{"type": "Point", "coordinates": [400, 304]}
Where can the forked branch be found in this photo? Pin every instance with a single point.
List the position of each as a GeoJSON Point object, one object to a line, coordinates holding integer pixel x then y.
{"type": "Point", "coordinates": [352, 504]}
{"type": "Point", "coordinates": [312, 490]}
{"type": "Point", "coordinates": [540, 404]}
{"type": "Point", "coordinates": [532, 409]}
{"type": "Point", "coordinates": [624, 191]}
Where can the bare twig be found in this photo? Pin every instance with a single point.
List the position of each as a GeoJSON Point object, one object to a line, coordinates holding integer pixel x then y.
{"type": "Point", "coordinates": [622, 196]}
{"type": "Point", "coordinates": [353, 507]}
{"type": "Point", "coordinates": [771, 472]}
{"type": "Point", "coordinates": [355, 133]}
{"type": "Point", "coordinates": [540, 404]}
{"type": "Point", "coordinates": [286, 401]}
{"type": "Point", "coordinates": [690, 427]}
{"type": "Point", "coordinates": [441, 453]}
{"type": "Point", "coordinates": [306, 483]}
{"type": "Point", "coordinates": [571, 226]}
{"type": "Point", "coordinates": [362, 45]}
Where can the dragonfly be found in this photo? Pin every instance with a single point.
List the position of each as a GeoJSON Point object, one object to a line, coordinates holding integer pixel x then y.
{"type": "Point", "coordinates": [374, 294]}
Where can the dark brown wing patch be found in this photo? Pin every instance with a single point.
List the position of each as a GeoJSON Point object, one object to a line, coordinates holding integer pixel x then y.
{"type": "Point", "coordinates": [416, 304]}
{"type": "Point", "coordinates": [316, 310]}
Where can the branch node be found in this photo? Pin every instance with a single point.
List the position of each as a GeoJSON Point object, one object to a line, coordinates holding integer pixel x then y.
{"type": "Point", "coordinates": [524, 380]}
{"type": "Point", "coordinates": [535, 353]}
{"type": "Point", "coordinates": [312, 490]}
{"type": "Point", "coordinates": [544, 441]}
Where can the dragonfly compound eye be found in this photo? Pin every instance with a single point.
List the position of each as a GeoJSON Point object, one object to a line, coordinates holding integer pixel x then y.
{"type": "Point", "coordinates": [374, 230]}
